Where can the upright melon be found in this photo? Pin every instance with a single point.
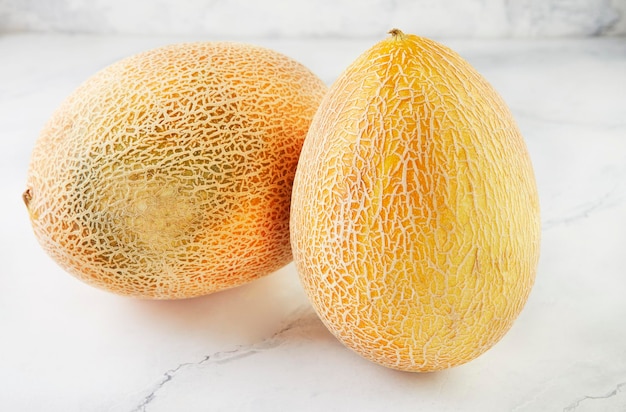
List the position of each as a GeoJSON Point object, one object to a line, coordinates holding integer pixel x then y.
{"type": "Point", "coordinates": [415, 216]}
{"type": "Point", "coordinates": [168, 174]}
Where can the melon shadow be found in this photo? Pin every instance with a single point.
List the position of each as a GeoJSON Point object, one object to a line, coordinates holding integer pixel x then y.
{"type": "Point", "coordinates": [245, 313]}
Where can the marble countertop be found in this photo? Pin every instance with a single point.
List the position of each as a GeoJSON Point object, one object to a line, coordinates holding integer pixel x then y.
{"type": "Point", "coordinates": [68, 347]}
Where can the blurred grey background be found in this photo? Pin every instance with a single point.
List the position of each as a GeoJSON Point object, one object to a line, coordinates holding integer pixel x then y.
{"type": "Point", "coordinates": [322, 18]}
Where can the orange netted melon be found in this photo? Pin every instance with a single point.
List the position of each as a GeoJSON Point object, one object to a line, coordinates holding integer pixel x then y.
{"type": "Point", "coordinates": [415, 216]}
{"type": "Point", "coordinates": [168, 174]}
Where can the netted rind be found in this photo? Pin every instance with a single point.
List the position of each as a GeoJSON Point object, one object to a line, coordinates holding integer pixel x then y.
{"type": "Point", "coordinates": [168, 174]}
{"type": "Point", "coordinates": [415, 216]}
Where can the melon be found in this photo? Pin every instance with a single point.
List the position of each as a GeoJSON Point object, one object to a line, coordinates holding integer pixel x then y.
{"type": "Point", "coordinates": [168, 174]}
{"type": "Point", "coordinates": [415, 222]}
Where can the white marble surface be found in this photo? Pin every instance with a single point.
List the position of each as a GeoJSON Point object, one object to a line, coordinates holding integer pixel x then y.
{"type": "Point", "coordinates": [319, 18]}
{"type": "Point", "coordinates": [68, 347]}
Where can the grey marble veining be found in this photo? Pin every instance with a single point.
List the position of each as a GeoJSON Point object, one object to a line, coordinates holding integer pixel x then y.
{"type": "Point", "coordinates": [323, 18]}
{"type": "Point", "coordinates": [68, 347]}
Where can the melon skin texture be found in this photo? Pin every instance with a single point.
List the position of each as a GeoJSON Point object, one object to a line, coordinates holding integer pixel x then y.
{"type": "Point", "coordinates": [415, 220]}
{"type": "Point", "coordinates": [168, 174]}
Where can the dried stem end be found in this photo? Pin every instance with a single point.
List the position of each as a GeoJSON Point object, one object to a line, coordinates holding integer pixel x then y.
{"type": "Point", "coordinates": [27, 196]}
{"type": "Point", "coordinates": [397, 33]}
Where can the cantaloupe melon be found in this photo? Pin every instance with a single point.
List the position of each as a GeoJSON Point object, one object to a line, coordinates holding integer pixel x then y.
{"type": "Point", "coordinates": [168, 174]}
{"type": "Point", "coordinates": [415, 215]}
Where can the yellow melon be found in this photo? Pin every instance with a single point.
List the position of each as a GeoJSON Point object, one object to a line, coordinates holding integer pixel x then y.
{"type": "Point", "coordinates": [415, 216]}
{"type": "Point", "coordinates": [168, 174]}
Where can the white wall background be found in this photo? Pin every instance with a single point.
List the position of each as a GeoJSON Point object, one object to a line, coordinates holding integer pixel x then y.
{"type": "Point", "coordinates": [321, 18]}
